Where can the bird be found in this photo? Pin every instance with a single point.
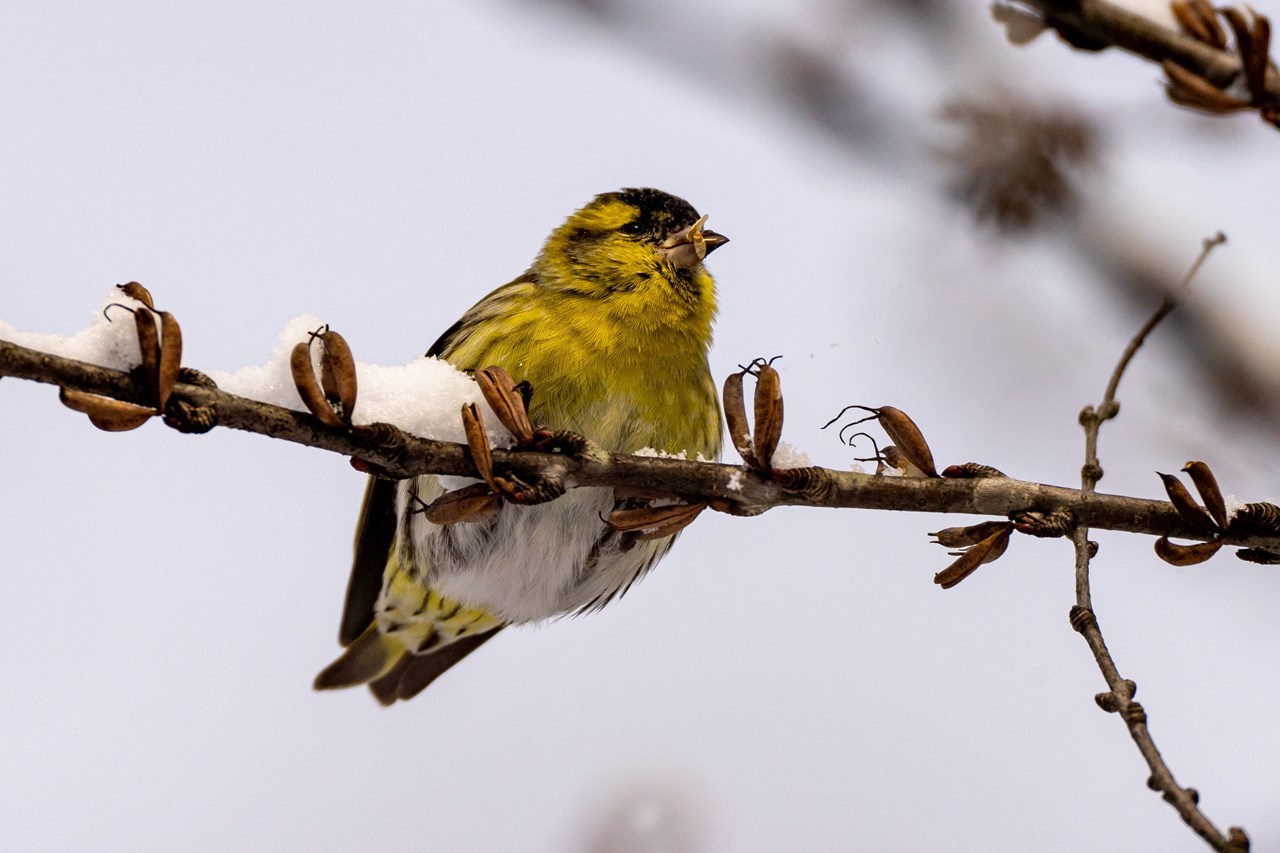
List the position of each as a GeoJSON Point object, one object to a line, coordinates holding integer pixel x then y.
{"type": "Point", "coordinates": [611, 327]}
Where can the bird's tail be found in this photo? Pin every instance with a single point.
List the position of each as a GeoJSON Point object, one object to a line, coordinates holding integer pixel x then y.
{"type": "Point", "coordinates": [392, 671]}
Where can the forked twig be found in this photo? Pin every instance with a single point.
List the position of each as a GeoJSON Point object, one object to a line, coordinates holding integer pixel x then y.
{"type": "Point", "coordinates": [1119, 699]}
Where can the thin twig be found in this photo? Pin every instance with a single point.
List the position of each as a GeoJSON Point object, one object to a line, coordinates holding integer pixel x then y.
{"type": "Point", "coordinates": [1119, 699]}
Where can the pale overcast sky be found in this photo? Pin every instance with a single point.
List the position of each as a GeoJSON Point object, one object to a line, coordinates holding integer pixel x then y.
{"type": "Point", "coordinates": [789, 682]}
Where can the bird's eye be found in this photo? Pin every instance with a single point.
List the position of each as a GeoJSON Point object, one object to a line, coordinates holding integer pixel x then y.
{"type": "Point", "coordinates": [633, 227]}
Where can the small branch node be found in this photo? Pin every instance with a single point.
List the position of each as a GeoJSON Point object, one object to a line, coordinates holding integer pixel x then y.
{"type": "Point", "coordinates": [1082, 619]}
{"type": "Point", "coordinates": [1237, 841]}
{"type": "Point", "coordinates": [1134, 714]}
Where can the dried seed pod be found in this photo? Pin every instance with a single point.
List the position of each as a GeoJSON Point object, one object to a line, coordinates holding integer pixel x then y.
{"type": "Point", "coordinates": [1186, 506]}
{"type": "Point", "coordinates": [697, 238]}
{"type": "Point", "coordinates": [478, 442]}
{"type": "Point", "coordinates": [304, 379]}
{"type": "Point", "coordinates": [673, 527]}
{"type": "Point", "coordinates": [1020, 26]}
{"type": "Point", "coordinates": [1190, 16]}
{"type": "Point", "coordinates": [1258, 555]}
{"type": "Point", "coordinates": [338, 373]}
{"type": "Point", "coordinates": [907, 437]}
{"type": "Point", "coordinates": [658, 520]}
{"type": "Point", "coordinates": [735, 415]}
{"type": "Point", "coordinates": [149, 348]}
{"type": "Point", "coordinates": [971, 471]}
{"type": "Point", "coordinates": [1185, 555]}
{"type": "Point", "coordinates": [768, 415]}
{"type": "Point", "coordinates": [134, 290]}
{"type": "Point", "coordinates": [1189, 89]}
{"type": "Point", "coordinates": [1255, 63]}
{"type": "Point", "coordinates": [1207, 486]}
{"type": "Point", "coordinates": [1242, 30]}
{"type": "Point", "coordinates": [473, 503]}
{"type": "Point", "coordinates": [105, 413]}
{"type": "Point", "coordinates": [1258, 519]}
{"type": "Point", "coordinates": [986, 551]}
{"type": "Point", "coordinates": [170, 358]}
{"type": "Point", "coordinates": [892, 457]}
{"type": "Point", "coordinates": [503, 396]}
{"type": "Point", "coordinates": [963, 537]}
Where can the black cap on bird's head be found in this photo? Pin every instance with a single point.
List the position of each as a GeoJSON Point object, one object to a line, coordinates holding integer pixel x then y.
{"type": "Point", "coordinates": [671, 221]}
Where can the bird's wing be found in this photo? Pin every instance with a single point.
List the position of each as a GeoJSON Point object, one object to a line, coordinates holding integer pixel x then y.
{"type": "Point", "coordinates": [375, 531]}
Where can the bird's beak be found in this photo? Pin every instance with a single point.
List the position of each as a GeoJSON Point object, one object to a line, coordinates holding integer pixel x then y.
{"type": "Point", "coordinates": [686, 249]}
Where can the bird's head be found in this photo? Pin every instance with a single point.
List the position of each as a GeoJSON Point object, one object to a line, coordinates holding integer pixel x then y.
{"type": "Point", "coordinates": [640, 241]}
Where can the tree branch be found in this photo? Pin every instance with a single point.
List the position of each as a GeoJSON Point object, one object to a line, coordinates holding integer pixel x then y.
{"type": "Point", "coordinates": [1098, 24]}
{"type": "Point", "coordinates": [1119, 698]}
{"type": "Point", "coordinates": [195, 407]}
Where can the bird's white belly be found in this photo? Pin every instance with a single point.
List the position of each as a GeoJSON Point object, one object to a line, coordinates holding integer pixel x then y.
{"type": "Point", "coordinates": [534, 562]}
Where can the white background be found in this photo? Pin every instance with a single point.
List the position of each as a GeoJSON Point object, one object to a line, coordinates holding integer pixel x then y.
{"type": "Point", "coordinates": [790, 682]}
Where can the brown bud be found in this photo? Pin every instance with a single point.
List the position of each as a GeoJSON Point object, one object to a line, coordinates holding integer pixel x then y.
{"type": "Point", "coordinates": [1107, 701]}
{"type": "Point", "coordinates": [907, 437]}
{"type": "Point", "coordinates": [735, 416]}
{"type": "Point", "coordinates": [503, 396]}
{"type": "Point", "coordinates": [134, 290]}
{"type": "Point", "coordinates": [1186, 506]}
{"type": "Point", "coordinates": [971, 471]}
{"type": "Point", "coordinates": [1185, 555]}
{"type": "Point", "coordinates": [1237, 841]}
{"type": "Point", "coordinates": [1207, 485]}
{"type": "Point", "coordinates": [768, 420]}
{"type": "Point", "coordinates": [812, 482]}
{"type": "Point", "coordinates": [338, 374]}
{"type": "Point", "coordinates": [104, 412]}
{"type": "Point", "coordinates": [1046, 525]}
{"type": "Point", "coordinates": [1134, 713]}
{"type": "Point", "coordinates": [473, 503]}
{"type": "Point", "coordinates": [170, 358]}
{"type": "Point", "coordinates": [1082, 619]}
{"type": "Point", "coordinates": [986, 551]}
{"type": "Point", "coordinates": [1259, 519]}
{"type": "Point", "coordinates": [304, 379]}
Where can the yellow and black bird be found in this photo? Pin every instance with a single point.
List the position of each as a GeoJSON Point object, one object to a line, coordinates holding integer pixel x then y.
{"type": "Point", "coordinates": [611, 327]}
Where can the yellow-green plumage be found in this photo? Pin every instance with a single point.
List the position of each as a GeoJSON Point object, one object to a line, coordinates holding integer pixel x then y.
{"type": "Point", "coordinates": [611, 326]}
